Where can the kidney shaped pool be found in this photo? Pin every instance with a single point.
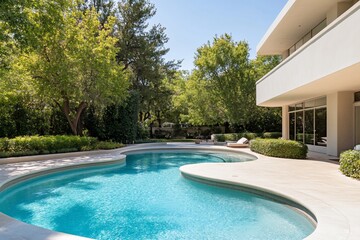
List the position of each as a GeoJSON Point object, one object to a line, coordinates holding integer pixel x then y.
{"type": "Point", "coordinates": [148, 199]}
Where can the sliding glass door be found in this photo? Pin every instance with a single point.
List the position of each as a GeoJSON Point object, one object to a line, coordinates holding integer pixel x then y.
{"type": "Point", "coordinates": [357, 125]}
{"type": "Point", "coordinates": [307, 122]}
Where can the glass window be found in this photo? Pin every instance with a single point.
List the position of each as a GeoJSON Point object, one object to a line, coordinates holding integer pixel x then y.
{"type": "Point", "coordinates": [357, 96]}
{"type": "Point", "coordinates": [299, 44]}
{"type": "Point", "coordinates": [292, 50]}
{"type": "Point", "coordinates": [309, 104]}
{"type": "Point", "coordinates": [320, 102]}
{"type": "Point", "coordinates": [357, 125]}
{"type": "Point", "coordinates": [307, 122]}
{"type": "Point", "coordinates": [299, 106]}
{"type": "Point", "coordinates": [307, 37]}
{"type": "Point", "coordinates": [320, 127]}
{"type": "Point", "coordinates": [299, 127]}
{"type": "Point", "coordinates": [291, 108]}
{"type": "Point", "coordinates": [309, 127]}
{"type": "Point", "coordinates": [318, 28]}
{"type": "Point", "coordinates": [292, 126]}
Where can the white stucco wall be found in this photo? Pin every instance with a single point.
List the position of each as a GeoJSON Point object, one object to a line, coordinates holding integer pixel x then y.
{"type": "Point", "coordinates": [340, 122]}
{"type": "Point", "coordinates": [334, 49]}
{"type": "Point", "coordinates": [285, 122]}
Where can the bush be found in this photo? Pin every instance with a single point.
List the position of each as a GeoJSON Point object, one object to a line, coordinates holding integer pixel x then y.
{"type": "Point", "coordinates": [108, 145]}
{"type": "Point", "coordinates": [272, 135]}
{"type": "Point", "coordinates": [279, 148]}
{"type": "Point", "coordinates": [350, 163]}
{"type": "Point", "coordinates": [233, 136]}
{"type": "Point", "coordinates": [142, 132]}
{"type": "Point", "coordinates": [32, 145]}
{"type": "Point", "coordinates": [120, 121]}
{"type": "Point", "coordinates": [154, 140]}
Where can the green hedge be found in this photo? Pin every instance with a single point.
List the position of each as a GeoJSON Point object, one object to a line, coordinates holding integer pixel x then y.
{"type": "Point", "coordinates": [279, 148]}
{"type": "Point", "coordinates": [161, 140]}
{"type": "Point", "coordinates": [32, 145]}
{"type": "Point", "coordinates": [350, 163]}
{"type": "Point", "coordinates": [272, 135]}
{"type": "Point", "coordinates": [237, 136]}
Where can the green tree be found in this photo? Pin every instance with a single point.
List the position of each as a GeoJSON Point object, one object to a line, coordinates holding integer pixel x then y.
{"type": "Point", "coordinates": [222, 87]}
{"type": "Point", "coordinates": [195, 101]}
{"type": "Point", "coordinates": [142, 50]}
{"type": "Point", "coordinates": [73, 63]}
{"type": "Point", "coordinates": [104, 8]}
{"type": "Point", "coordinates": [225, 68]}
{"type": "Point", "coordinates": [265, 118]}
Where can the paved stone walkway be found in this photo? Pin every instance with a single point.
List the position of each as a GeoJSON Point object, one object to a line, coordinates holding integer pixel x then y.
{"type": "Point", "coordinates": [11, 170]}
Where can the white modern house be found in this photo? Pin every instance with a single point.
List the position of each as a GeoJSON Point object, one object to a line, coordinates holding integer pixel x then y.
{"type": "Point", "coordinates": [317, 84]}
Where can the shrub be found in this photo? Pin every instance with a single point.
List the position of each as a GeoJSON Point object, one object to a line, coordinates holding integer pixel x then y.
{"type": "Point", "coordinates": [233, 136]}
{"type": "Point", "coordinates": [31, 145]}
{"type": "Point", "coordinates": [108, 145]}
{"type": "Point", "coordinates": [350, 163]}
{"type": "Point", "coordinates": [120, 121]}
{"type": "Point", "coordinates": [142, 132]}
{"type": "Point", "coordinates": [279, 148]}
{"type": "Point", "coordinates": [272, 135]}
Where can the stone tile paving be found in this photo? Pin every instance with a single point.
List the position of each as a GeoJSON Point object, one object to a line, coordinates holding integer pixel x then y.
{"type": "Point", "coordinates": [11, 170]}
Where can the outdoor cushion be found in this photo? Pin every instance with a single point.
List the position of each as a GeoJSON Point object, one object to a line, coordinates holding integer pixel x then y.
{"type": "Point", "coordinates": [243, 140]}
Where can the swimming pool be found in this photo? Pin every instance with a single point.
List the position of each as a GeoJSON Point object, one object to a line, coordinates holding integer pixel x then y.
{"type": "Point", "coordinates": [148, 199]}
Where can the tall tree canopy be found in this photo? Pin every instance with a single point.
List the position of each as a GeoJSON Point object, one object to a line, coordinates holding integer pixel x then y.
{"type": "Point", "coordinates": [222, 86]}
{"type": "Point", "coordinates": [69, 58]}
{"type": "Point", "coordinates": [141, 49]}
{"type": "Point", "coordinates": [222, 78]}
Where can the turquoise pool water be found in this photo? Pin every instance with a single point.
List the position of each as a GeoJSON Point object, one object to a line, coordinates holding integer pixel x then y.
{"type": "Point", "coordinates": [148, 199]}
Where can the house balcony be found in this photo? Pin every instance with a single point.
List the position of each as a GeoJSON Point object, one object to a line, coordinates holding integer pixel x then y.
{"type": "Point", "coordinates": [327, 63]}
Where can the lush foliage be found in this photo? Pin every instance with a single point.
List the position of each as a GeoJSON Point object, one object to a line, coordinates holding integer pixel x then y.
{"type": "Point", "coordinates": [31, 145]}
{"type": "Point", "coordinates": [350, 163]}
{"type": "Point", "coordinates": [43, 144]}
{"type": "Point", "coordinates": [142, 50]}
{"type": "Point", "coordinates": [272, 135]}
{"type": "Point", "coordinates": [120, 121]}
{"type": "Point", "coordinates": [279, 148]}
{"type": "Point", "coordinates": [248, 135]}
{"type": "Point", "coordinates": [98, 66]}
{"type": "Point", "coordinates": [69, 59]}
{"type": "Point", "coordinates": [233, 136]}
{"type": "Point", "coordinates": [163, 140]}
{"type": "Point", "coordinates": [221, 89]}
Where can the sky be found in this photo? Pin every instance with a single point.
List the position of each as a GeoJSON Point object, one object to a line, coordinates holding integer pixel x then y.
{"type": "Point", "coordinates": [192, 23]}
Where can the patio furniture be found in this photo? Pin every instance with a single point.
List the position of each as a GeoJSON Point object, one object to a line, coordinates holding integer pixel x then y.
{"type": "Point", "coordinates": [242, 143]}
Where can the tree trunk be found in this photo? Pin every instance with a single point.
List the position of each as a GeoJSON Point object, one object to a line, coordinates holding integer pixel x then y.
{"type": "Point", "coordinates": [158, 117]}
{"type": "Point", "coordinates": [141, 116]}
{"type": "Point", "coordinates": [147, 116]}
{"type": "Point", "coordinates": [74, 123]}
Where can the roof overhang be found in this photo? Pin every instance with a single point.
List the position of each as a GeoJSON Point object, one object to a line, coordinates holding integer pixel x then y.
{"type": "Point", "coordinates": [294, 21]}
{"type": "Point", "coordinates": [342, 81]}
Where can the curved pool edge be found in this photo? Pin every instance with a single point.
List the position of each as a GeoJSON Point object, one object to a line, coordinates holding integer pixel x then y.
{"type": "Point", "coordinates": [184, 147]}
{"type": "Point", "coordinates": [11, 228]}
{"type": "Point", "coordinates": [266, 193]}
{"type": "Point", "coordinates": [331, 222]}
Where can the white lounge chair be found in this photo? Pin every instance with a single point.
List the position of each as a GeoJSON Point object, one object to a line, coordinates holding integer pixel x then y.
{"type": "Point", "coordinates": [242, 143]}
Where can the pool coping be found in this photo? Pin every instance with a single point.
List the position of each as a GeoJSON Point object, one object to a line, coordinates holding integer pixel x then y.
{"type": "Point", "coordinates": [11, 228]}
{"type": "Point", "coordinates": [331, 220]}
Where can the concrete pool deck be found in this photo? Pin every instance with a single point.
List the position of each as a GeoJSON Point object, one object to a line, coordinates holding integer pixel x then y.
{"type": "Point", "coordinates": [315, 183]}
